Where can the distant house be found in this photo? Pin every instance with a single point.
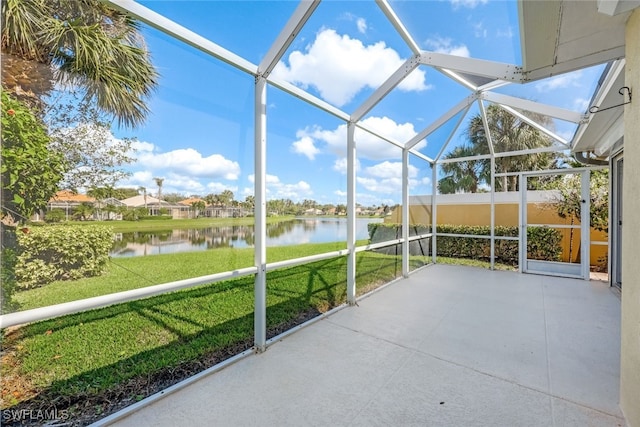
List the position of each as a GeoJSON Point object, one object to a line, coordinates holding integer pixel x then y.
{"type": "Point", "coordinates": [155, 206]}
{"type": "Point", "coordinates": [313, 211]}
{"type": "Point", "coordinates": [212, 211]}
{"type": "Point", "coordinates": [67, 200]}
{"type": "Point", "coordinates": [194, 213]}
{"type": "Point", "coordinates": [109, 209]}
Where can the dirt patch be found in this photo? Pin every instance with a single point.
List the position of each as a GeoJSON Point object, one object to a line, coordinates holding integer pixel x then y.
{"type": "Point", "coordinates": [84, 409]}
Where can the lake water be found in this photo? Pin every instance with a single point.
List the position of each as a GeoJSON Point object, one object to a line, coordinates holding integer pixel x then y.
{"type": "Point", "coordinates": [292, 232]}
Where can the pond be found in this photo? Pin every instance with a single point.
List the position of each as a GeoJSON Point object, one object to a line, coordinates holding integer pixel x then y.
{"type": "Point", "coordinates": [291, 232]}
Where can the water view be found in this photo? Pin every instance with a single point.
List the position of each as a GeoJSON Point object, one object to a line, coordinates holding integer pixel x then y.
{"type": "Point", "coordinates": [291, 232]}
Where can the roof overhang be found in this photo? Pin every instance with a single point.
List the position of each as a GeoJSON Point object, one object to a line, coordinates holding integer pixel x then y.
{"type": "Point", "coordinates": [558, 36]}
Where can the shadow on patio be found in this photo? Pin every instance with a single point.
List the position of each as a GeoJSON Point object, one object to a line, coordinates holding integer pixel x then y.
{"type": "Point", "coordinates": [448, 346]}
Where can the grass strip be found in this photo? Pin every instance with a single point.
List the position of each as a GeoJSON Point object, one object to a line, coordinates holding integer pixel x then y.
{"type": "Point", "coordinates": [124, 274]}
{"type": "Point", "coordinates": [89, 353]}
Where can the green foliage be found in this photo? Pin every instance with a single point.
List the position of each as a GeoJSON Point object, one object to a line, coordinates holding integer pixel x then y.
{"type": "Point", "coordinates": [136, 214]}
{"type": "Point", "coordinates": [30, 171]}
{"type": "Point", "coordinates": [569, 202]}
{"type": "Point", "coordinates": [543, 243]}
{"type": "Point", "coordinates": [508, 133]}
{"type": "Point", "coordinates": [55, 215]}
{"type": "Point", "coordinates": [61, 253]}
{"type": "Point", "coordinates": [7, 280]}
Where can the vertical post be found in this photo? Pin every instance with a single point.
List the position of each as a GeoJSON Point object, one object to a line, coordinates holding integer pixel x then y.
{"type": "Point", "coordinates": [493, 212]}
{"type": "Point", "coordinates": [585, 224]}
{"type": "Point", "coordinates": [351, 214]}
{"type": "Point", "coordinates": [522, 220]}
{"type": "Point", "coordinates": [434, 211]}
{"type": "Point", "coordinates": [260, 215]}
{"type": "Point", "coordinates": [405, 212]}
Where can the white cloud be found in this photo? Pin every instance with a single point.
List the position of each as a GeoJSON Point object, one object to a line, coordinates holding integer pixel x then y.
{"type": "Point", "coordinates": [445, 45]}
{"type": "Point", "coordinates": [479, 30]}
{"type": "Point", "coordinates": [467, 3]}
{"type": "Point", "coordinates": [508, 33]}
{"type": "Point", "coordinates": [191, 162]}
{"type": "Point", "coordinates": [386, 178]}
{"type": "Point", "coordinates": [362, 25]}
{"type": "Point", "coordinates": [367, 145]}
{"type": "Point", "coordinates": [560, 82]}
{"type": "Point", "coordinates": [219, 187]}
{"type": "Point", "coordinates": [339, 67]}
{"type": "Point", "coordinates": [340, 165]}
{"type": "Point", "coordinates": [305, 146]}
{"type": "Point", "coordinates": [280, 190]}
{"type": "Point", "coordinates": [581, 104]}
{"type": "Point", "coordinates": [141, 146]}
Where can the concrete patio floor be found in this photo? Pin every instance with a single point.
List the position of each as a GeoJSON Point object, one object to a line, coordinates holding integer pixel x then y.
{"type": "Point", "coordinates": [449, 346]}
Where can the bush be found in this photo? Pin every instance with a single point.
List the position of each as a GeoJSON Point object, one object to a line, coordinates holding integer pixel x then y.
{"type": "Point", "coordinates": [7, 280]}
{"type": "Point", "coordinates": [55, 215]}
{"type": "Point", "coordinates": [65, 252]}
{"type": "Point", "coordinates": [135, 214]}
{"type": "Point", "coordinates": [543, 243]}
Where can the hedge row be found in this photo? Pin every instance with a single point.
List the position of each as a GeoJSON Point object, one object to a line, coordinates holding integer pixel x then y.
{"type": "Point", "coordinates": [68, 252]}
{"type": "Point", "coordinates": [543, 243]}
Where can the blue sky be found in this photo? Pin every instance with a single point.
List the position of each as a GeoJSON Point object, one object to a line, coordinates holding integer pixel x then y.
{"type": "Point", "coordinates": [199, 136]}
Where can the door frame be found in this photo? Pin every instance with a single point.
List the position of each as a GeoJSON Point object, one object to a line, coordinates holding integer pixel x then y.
{"type": "Point", "coordinates": [555, 268]}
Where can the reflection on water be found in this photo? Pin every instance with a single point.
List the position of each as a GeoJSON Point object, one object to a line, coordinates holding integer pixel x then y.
{"type": "Point", "coordinates": [291, 232]}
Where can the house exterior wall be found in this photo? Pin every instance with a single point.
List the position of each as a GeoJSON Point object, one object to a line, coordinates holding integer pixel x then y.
{"type": "Point", "coordinates": [630, 321]}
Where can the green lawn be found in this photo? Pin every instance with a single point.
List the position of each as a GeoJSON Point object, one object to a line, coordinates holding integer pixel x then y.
{"type": "Point", "coordinates": [81, 355]}
{"type": "Point", "coordinates": [136, 272]}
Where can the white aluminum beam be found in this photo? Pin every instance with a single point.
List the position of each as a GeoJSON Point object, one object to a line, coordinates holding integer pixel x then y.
{"type": "Point", "coordinates": [534, 107]}
{"type": "Point", "coordinates": [455, 76]}
{"type": "Point", "coordinates": [453, 132]}
{"type": "Point", "coordinates": [260, 215]}
{"type": "Point", "coordinates": [585, 222]}
{"type": "Point", "coordinates": [307, 97]}
{"type": "Point", "coordinates": [405, 213]}
{"type": "Point", "coordinates": [403, 71]}
{"type": "Point", "coordinates": [434, 212]}
{"type": "Point", "coordinates": [493, 85]}
{"type": "Point", "coordinates": [493, 213]}
{"type": "Point", "coordinates": [441, 121]}
{"type": "Point", "coordinates": [464, 159]}
{"type": "Point", "coordinates": [534, 124]}
{"type": "Point", "coordinates": [398, 25]}
{"type": "Point", "coordinates": [473, 66]}
{"type": "Point", "coordinates": [179, 32]}
{"type": "Point", "coordinates": [351, 214]}
{"type": "Point", "coordinates": [52, 311]}
{"type": "Point", "coordinates": [487, 132]}
{"type": "Point", "coordinates": [551, 149]}
{"type": "Point", "coordinates": [290, 31]}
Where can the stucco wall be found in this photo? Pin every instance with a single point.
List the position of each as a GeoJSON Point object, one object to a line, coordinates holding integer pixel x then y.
{"type": "Point", "coordinates": [630, 344]}
{"type": "Point", "coordinates": [507, 214]}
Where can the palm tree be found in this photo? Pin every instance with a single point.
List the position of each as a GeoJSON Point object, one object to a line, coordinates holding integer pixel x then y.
{"type": "Point", "coordinates": [159, 182]}
{"type": "Point", "coordinates": [461, 176]}
{"type": "Point", "coordinates": [508, 133]}
{"type": "Point", "coordinates": [81, 43]}
{"type": "Point", "coordinates": [144, 192]}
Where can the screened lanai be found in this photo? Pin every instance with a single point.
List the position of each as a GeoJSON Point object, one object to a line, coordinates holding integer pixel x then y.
{"type": "Point", "coordinates": [374, 104]}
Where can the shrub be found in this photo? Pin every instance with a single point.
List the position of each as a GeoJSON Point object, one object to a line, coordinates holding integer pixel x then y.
{"type": "Point", "coordinates": [65, 252]}
{"type": "Point", "coordinates": [7, 280]}
{"type": "Point", "coordinates": [55, 215]}
{"type": "Point", "coordinates": [543, 243]}
{"type": "Point", "coordinates": [135, 214]}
